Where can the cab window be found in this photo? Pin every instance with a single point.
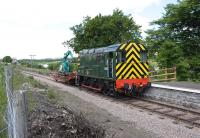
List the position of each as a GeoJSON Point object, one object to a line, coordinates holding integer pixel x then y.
{"type": "Point", "coordinates": [121, 56]}
{"type": "Point", "coordinates": [110, 54]}
{"type": "Point", "coordinates": [143, 56]}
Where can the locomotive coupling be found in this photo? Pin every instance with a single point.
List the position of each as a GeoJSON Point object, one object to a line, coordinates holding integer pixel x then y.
{"type": "Point", "coordinates": [129, 88]}
{"type": "Point", "coordinates": [126, 86]}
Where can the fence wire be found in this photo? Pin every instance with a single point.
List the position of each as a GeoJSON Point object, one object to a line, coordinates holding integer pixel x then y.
{"type": "Point", "coordinates": [2, 130]}
{"type": "Point", "coordinates": [6, 127]}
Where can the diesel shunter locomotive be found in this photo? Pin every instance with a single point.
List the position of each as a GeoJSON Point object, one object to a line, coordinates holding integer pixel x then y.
{"type": "Point", "coordinates": [119, 68]}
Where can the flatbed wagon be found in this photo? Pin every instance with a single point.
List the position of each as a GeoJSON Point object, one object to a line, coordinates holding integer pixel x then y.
{"type": "Point", "coordinates": [68, 78]}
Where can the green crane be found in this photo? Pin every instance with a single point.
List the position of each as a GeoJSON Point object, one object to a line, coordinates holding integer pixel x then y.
{"type": "Point", "coordinates": [64, 68]}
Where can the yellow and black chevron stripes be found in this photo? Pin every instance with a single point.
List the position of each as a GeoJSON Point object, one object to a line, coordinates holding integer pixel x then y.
{"type": "Point", "coordinates": [132, 68]}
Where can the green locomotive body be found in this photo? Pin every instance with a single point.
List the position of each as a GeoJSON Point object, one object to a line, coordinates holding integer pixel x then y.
{"type": "Point", "coordinates": [115, 68]}
{"type": "Point", "coordinates": [98, 63]}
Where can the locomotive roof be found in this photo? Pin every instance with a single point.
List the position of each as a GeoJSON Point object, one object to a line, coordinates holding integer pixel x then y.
{"type": "Point", "coordinates": [110, 48]}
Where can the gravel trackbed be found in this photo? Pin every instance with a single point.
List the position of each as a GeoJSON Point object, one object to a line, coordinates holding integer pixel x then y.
{"type": "Point", "coordinates": [120, 120]}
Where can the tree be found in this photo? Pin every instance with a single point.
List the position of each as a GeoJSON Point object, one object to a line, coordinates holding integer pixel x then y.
{"type": "Point", "coordinates": [101, 31]}
{"type": "Point", "coordinates": [7, 59]}
{"type": "Point", "coordinates": [169, 54]}
{"type": "Point", "coordinates": [179, 26]}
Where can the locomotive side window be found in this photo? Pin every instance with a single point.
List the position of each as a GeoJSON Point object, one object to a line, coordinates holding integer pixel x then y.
{"type": "Point", "coordinates": [101, 59]}
{"type": "Point", "coordinates": [110, 54]}
{"type": "Point", "coordinates": [121, 56]}
{"type": "Point", "coordinates": [98, 58]}
{"type": "Point", "coordinates": [143, 56]}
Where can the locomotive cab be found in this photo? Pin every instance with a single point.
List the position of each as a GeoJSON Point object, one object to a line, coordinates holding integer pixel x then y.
{"type": "Point", "coordinates": [132, 69]}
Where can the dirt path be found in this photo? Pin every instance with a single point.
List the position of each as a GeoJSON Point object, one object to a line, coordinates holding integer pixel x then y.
{"type": "Point", "coordinates": [119, 120]}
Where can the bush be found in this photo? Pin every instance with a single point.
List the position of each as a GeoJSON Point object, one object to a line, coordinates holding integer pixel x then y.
{"type": "Point", "coordinates": [40, 67]}
{"type": "Point", "coordinates": [53, 66]}
{"type": "Point", "coordinates": [28, 65]}
{"type": "Point", "coordinates": [198, 76]}
{"type": "Point", "coordinates": [73, 67]}
{"type": "Point", "coordinates": [37, 66]}
{"type": "Point", "coordinates": [183, 70]}
{"type": "Point", "coordinates": [51, 94]}
{"type": "Point", "coordinates": [7, 59]}
{"type": "Point", "coordinates": [30, 78]}
{"type": "Point", "coordinates": [169, 54]}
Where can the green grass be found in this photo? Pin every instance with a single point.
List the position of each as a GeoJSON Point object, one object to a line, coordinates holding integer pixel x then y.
{"type": "Point", "coordinates": [3, 103]}
{"type": "Point", "coordinates": [51, 94]}
{"type": "Point", "coordinates": [40, 71]}
{"type": "Point", "coordinates": [19, 79]}
{"type": "Point", "coordinates": [46, 62]}
{"type": "Point", "coordinates": [31, 102]}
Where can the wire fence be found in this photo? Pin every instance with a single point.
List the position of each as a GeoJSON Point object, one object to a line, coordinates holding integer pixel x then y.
{"type": "Point", "coordinates": [1, 131]}
{"type": "Point", "coordinates": [16, 108]}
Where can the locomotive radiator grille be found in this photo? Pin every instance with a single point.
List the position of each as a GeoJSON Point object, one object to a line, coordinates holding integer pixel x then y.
{"type": "Point", "coordinates": [133, 67]}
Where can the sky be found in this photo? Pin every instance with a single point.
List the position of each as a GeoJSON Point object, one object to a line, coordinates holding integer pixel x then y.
{"type": "Point", "coordinates": [38, 27]}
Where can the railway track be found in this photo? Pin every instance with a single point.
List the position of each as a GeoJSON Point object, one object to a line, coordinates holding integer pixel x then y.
{"type": "Point", "coordinates": [178, 113]}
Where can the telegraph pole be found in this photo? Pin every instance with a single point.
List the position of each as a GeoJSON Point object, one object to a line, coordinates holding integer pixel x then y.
{"type": "Point", "coordinates": [32, 58]}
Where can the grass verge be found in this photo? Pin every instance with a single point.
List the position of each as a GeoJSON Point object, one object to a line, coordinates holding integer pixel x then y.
{"type": "Point", "coordinates": [39, 71]}
{"type": "Point", "coordinates": [3, 103]}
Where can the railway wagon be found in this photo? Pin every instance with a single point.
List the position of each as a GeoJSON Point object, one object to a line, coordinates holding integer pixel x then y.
{"type": "Point", "coordinates": [119, 68]}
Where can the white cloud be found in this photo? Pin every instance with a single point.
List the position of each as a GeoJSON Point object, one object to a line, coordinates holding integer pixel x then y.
{"type": "Point", "coordinates": [40, 26]}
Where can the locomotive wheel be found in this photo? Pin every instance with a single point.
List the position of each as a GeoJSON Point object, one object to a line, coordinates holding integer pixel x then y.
{"type": "Point", "coordinates": [143, 91]}
{"type": "Point", "coordinates": [105, 91]}
{"type": "Point", "coordinates": [115, 94]}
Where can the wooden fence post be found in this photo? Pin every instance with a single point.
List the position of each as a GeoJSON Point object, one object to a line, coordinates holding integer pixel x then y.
{"type": "Point", "coordinates": [175, 73]}
{"type": "Point", "coordinates": [166, 74]}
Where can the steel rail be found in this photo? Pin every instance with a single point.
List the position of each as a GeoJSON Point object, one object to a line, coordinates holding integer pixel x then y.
{"type": "Point", "coordinates": [147, 105]}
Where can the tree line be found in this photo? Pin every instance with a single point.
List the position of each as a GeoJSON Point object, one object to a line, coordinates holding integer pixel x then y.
{"type": "Point", "coordinates": [175, 38]}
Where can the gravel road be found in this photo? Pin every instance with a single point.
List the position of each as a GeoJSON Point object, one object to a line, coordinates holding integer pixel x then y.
{"type": "Point", "coordinates": [121, 120]}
